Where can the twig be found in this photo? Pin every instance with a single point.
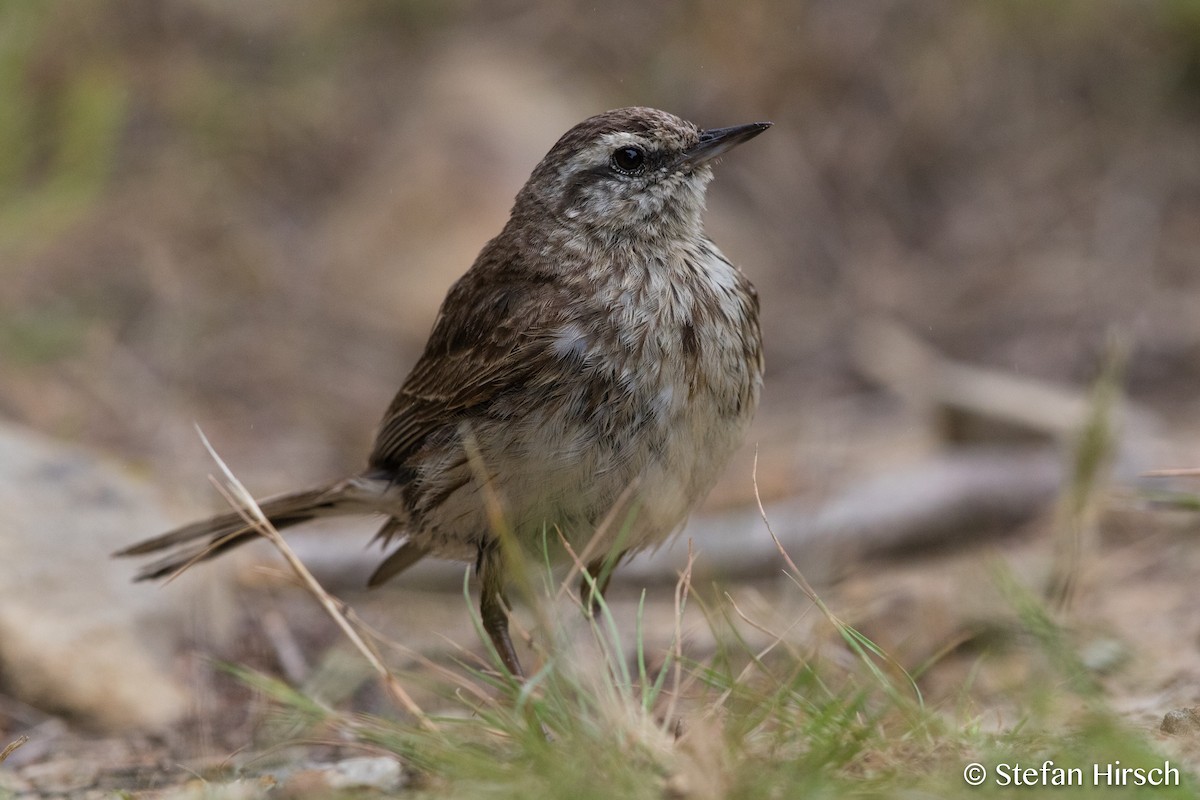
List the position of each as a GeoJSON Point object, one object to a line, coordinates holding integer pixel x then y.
{"type": "Point", "coordinates": [11, 746]}
{"type": "Point", "coordinates": [1181, 472]}
{"type": "Point", "coordinates": [682, 590]}
{"type": "Point", "coordinates": [579, 562]}
{"type": "Point", "coordinates": [235, 493]}
{"type": "Point", "coordinates": [797, 576]}
{"type": "Point", "coordinates": [859, 643]}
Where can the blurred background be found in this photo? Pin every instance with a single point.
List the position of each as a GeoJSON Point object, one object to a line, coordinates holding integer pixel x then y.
{"type": "Point", "coordinates": [245, 214]}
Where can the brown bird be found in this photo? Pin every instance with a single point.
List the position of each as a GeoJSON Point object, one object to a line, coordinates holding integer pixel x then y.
{"type": "Point", "coordinates": [593, 371]}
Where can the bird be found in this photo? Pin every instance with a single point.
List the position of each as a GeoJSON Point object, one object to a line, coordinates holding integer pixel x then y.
{"type": "Point", "coordinates": [588, 377]}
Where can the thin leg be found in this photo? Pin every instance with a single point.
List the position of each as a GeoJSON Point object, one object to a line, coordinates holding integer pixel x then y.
{"type": "Point", "coordinates": [601, 570]}
{"type": "Point", "coordinates": [493, 608]}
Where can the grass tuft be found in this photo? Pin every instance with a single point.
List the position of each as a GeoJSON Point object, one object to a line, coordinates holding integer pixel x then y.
{"type": "Point", "coordinates": [825, 714]}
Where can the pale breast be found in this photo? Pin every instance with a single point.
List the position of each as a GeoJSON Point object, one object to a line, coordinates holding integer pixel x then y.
{"type": "Point", "coordinates": [647, 398]}
{"type": "Point", "coordinates": [710, 350]}
{"type": "Point", "coordinates": [681, 359]}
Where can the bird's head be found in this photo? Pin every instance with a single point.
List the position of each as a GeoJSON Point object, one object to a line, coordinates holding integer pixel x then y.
{"type": "Point", "coordinates": [630, 169]}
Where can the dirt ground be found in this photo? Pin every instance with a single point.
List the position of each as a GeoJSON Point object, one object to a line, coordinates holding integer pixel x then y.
{"type": "Point", "coordinates": [1133, 621]}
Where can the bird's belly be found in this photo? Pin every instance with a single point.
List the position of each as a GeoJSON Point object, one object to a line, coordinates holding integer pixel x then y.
{"type": "Point", "coordinates": [627, 477]}
{"type": "Point", "coordinates": [619, 481]}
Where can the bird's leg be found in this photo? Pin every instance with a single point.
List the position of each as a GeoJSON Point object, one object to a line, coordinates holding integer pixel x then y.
{"type": "Point", "coordinates": [601, 571]}
{"type": "Point", "coordinates": [493, 607]}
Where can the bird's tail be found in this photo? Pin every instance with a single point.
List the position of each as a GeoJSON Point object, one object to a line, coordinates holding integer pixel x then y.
{"type": "Point", "coordinates": [202, 540]}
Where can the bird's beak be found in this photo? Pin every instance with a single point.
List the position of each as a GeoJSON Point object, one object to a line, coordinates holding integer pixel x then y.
{"type": "Point", "coordinates": [715, 141]}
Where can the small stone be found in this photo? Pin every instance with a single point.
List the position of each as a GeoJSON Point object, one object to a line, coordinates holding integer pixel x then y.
{"type": "Point", "coordinates": [369, 772]}
{"type": "Point", "coordinates": [241, 789]}
{"type": "Point", "coordinates": [1104, 655]}
{"type": "Point", "coordinates": [77, 636]}
{"type": "Point", "coordinates": [382, 773]}
{"type": "Point", "coordinates": [1181, 721]}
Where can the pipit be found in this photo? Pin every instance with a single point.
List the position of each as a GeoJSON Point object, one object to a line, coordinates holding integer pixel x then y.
{"type": "Point", "coordinates": [592, 372]}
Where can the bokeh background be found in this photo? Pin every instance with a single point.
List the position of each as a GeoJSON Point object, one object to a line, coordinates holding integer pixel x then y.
{"type": "Point", "coordinates": [246, 214]}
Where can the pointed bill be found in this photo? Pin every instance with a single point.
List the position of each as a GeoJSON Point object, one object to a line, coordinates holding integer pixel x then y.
{"type": "Point", "coordinates": [715, 141]}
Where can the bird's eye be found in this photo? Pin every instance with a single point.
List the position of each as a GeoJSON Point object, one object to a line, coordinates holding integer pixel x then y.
{"type": "Point", "coordinates": [629, 159]}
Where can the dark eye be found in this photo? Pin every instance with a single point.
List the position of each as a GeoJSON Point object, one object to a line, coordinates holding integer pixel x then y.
{"type": "Point", "coordinates": [629, 159]}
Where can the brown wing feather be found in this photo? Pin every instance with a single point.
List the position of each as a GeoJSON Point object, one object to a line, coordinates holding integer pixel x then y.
{"type": "Point", "coordinates": [485, 343]}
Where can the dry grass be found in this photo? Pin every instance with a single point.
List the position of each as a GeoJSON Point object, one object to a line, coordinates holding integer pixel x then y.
{"type": "Point", "coordinates": [824, 714]}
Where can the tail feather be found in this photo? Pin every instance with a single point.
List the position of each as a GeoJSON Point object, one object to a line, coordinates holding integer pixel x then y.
{"type": "Point", "coordinates": [205, 539]}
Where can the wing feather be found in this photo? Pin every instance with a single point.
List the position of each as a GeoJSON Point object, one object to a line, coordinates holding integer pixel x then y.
{"type": "Point", "coordinates": [491, 338]}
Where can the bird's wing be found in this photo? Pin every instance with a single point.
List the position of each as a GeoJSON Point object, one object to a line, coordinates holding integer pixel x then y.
{"type": "Point", "coordinates": [493, 336]}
